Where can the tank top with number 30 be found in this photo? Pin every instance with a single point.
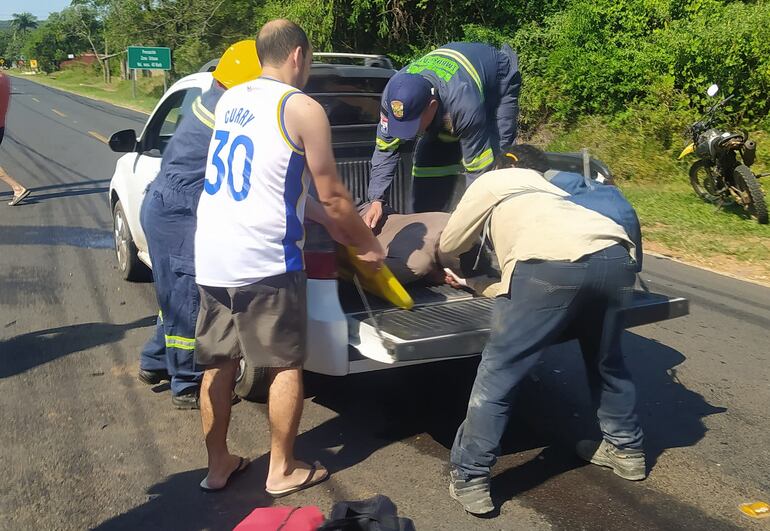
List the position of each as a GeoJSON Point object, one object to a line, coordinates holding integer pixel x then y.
{"type": "Point", "coordinates": [251, 212]}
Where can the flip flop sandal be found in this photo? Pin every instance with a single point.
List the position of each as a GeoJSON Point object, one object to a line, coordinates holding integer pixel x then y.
{"type": "Point", "coordinates": [309, 482]}
{"type": "Point", "coordinates": [243, 464]}
{"type": "Point", "coordinates": [19, 198]}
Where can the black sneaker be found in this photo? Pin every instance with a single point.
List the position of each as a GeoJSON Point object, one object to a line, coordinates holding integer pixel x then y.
{"type": "Point", "coordinates": [187, 400]}
{"type": "Point", "coordinates": [628, 464]}
{"type": "Point", "coordinates": [473, 494]}
{"type": "Point", "coordinates": [152, 377]}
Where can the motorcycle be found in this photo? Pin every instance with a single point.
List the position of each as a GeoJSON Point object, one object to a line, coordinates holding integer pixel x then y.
{"type": "Point", "coordinates": [718, 176]}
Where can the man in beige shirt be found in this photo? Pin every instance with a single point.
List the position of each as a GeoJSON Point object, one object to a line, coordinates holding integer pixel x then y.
{"type": "Point", "coordinates": [564, 267]}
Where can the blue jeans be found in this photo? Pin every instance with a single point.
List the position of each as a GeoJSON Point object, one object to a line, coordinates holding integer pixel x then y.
{"type": "Point", "coordinates": [546, 301]}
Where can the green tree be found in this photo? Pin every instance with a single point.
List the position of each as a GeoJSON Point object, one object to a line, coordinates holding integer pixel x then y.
{"type": "Point", "coordinates": [23, 23]}
{"type": "Point", "coordinates": [640, 63]}
{"type": "Point", "coordinates": [5, 40]}
{"type": "Point", "coordinates": [42, 44]}
{"type": "Point", "coordinates": [81, 24]}
{"type": "Point", "coordinates": [195, 30]}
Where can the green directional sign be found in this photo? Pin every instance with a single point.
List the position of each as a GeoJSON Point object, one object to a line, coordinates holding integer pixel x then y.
{"type": "Point", "coordinates": [149, 58]}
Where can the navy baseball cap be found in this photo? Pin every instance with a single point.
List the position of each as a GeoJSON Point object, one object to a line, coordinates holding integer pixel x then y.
{"type": "Point", "coordinates": [408, 95]}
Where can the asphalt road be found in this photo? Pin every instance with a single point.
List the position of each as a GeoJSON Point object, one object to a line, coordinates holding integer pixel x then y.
{"type": "Point", "coordinates": [85, 445]}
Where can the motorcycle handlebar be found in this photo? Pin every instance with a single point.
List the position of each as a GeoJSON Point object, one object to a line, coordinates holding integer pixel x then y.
{"type": "Point", "coordinates": [707, 118]}
{"type": "Point", "coordinates": [721, 103]}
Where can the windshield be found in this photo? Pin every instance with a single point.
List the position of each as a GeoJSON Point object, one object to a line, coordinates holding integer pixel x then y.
{"type": "Point", "coordinates": [351, 109]}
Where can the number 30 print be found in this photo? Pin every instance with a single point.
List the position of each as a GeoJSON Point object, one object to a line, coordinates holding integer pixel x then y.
{"type": "Point", "coordinates": [216, 159]}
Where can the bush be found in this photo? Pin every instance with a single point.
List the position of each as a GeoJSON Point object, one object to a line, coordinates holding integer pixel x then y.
{"type": "Point", "coordinates": [601, 56]}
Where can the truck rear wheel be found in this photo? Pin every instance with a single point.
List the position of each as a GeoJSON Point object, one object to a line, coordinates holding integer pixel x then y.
{"type": "Point", "coordinates": [252, 383]}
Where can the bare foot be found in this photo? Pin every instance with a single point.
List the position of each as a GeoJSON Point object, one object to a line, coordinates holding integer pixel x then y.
{"type": "Point", "coordinates": [300, 474]}
{"type": "Point", "coordinates": [218, 477]}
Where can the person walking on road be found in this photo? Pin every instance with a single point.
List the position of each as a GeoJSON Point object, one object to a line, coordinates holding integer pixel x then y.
{"type": "Point", "coordinates": [565, 269]}
{"type": "Point", "coordinates": [19, 192]}
{"type": "Point", "coordinates": [168, 217]}
{"type": "Point", "coordinates": [465, 98]}
{"type": "Point", "coordinates": [248, 250]}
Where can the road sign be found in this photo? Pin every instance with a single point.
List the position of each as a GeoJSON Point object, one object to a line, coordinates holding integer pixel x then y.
{"type": "Point", "coordinates": [33, 63]}
{"type": "Point", "coordinates": [2, 61]}
{"type": "Point", "coordinates": [149, 58]}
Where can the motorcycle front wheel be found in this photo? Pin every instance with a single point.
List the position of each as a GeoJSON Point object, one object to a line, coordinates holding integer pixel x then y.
{"type": "Point", "coordinates": [703, 181]}
{"type": "Point", "coordinates": [753, 199]}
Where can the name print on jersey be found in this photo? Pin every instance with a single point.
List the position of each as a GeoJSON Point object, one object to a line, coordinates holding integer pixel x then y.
{"type": "Point", "coordinates": [240, 116]}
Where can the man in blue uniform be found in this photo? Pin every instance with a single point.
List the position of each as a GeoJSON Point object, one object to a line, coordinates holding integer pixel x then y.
{"type": "Point", "coordinates": [464, 97]}
{"type": "Point", "coordinates": [168, 217]}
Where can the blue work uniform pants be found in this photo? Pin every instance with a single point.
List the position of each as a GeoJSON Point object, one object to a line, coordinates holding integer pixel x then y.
{"type": "Point", "coordinates": [168, 217]}
{"type": "Point", "coordinates": [546, 300]}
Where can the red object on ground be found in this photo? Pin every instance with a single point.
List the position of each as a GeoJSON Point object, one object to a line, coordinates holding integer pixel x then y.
{"type": "Point", "coordinates": [283, 518]}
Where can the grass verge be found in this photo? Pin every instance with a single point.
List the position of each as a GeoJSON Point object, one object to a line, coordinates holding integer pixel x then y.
{"type": "Point", "coordinates": [88, 82]}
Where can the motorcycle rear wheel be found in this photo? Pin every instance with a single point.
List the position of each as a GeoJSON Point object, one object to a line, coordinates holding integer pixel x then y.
{"type": "Point", "coordinates": [702, 181]}
{"type": "Point", "coordinates": [754, 202]}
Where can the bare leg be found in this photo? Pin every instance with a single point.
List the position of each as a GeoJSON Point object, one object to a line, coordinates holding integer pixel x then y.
{"type": "Point", "coordinates": [216, 403]}
{"type": "Point", "coordinates": [17, 188]}
{"type": "Point", "coordinates": [285, 410]}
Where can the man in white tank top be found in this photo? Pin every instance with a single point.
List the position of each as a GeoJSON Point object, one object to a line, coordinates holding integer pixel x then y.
{"type": "Point", "coordinates": [269, 140]}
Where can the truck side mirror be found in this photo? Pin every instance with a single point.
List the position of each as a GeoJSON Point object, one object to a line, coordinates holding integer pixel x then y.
{"type": "Point", "coordinates": [123, 141]}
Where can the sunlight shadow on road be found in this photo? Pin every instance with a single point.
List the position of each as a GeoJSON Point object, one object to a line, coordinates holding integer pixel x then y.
{"type": "Point", "coordinates": [552, 410]}
{"type": "Point", "coordinates": [82, 237]}
{"type": "Point", "coordinates": [178, 503]}
{"type": "Point", "coordinates": [22, 353]}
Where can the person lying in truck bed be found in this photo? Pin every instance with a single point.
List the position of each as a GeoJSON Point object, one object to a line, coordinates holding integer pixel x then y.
{"type": "Point", "coordinates": [410, 242]}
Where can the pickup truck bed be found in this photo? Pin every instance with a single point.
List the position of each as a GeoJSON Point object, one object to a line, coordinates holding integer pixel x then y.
{"type": "Point", "coordinates": [445, 322]}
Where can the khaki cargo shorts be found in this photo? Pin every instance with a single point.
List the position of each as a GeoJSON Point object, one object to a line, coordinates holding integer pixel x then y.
{"type": "Point", "coordinates": [265, 323]}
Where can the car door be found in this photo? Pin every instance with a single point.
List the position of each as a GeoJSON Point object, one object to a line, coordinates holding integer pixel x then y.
{"type": "Point", "coordinates": [175, 107]}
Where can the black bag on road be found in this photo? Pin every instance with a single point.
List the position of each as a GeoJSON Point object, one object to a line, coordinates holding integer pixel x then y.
{"type": "Point", "coordinates": [375, 514]}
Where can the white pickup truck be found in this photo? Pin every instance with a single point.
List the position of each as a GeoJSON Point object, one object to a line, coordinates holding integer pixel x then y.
{"type": "Point", "coordinates": [342, 335]}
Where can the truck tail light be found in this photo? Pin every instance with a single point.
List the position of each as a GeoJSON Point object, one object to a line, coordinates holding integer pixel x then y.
{"type": "Point", "coordinates": [321, 265]}
{"type": "Point", "coordinates": [320, 252]}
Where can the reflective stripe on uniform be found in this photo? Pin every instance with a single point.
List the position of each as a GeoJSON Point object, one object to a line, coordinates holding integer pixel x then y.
{"type": "Point", "coordinates": [435, 171]}
{"type": "Point", "coordinates": [205, 116]}
{"type": "Point", "coordinates": [466, 64]}
{"type": "Point", "coordinates": [387, 146]}
{"type": "Point", "coordinates": [486, 158]}
{"type": "Point", "coordinates": [184, 343]}
{"type": "Point", "coordinates": [446, 137]}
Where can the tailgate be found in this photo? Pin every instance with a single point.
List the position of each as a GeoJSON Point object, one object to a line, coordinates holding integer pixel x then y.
{"type": "Point", "coordinates": [459, 326]}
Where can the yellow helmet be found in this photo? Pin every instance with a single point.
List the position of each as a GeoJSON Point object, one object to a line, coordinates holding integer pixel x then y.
{"type": "Point", "coordinates": [238, 64]}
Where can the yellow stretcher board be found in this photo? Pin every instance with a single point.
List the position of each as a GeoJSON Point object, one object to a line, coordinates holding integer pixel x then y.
{"type": "Point", "coordinates": [382, 283]}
